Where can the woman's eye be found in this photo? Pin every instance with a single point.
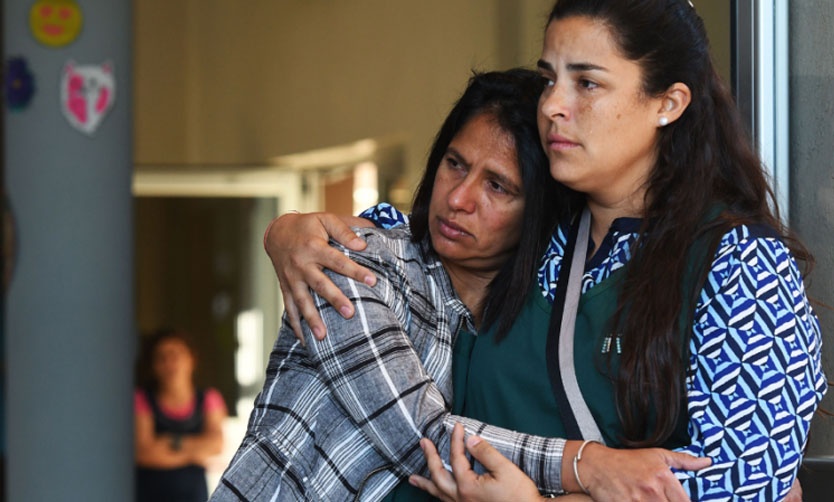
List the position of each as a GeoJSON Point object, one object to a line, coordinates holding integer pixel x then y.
{"type": "Point", "coordinates": [548, 82]}
{"type": "Point", "coordinates": [587, 84]}
{"type": "Point", "coordinates": [498, 187]}
{"type": "Point", "coordinates": [453, 162]}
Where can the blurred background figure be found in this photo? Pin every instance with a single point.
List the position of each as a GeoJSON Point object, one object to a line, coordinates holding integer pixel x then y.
{"type": "Point", "coordinates": [178, 426]}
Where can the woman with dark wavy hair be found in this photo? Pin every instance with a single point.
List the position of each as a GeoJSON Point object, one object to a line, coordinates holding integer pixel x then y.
{"type": "Point", "coordinates": [687, 325]}
{"type": "Point", "coordinates": [341, 419]}
{"type": "Point", "coordinates": [693, 312]}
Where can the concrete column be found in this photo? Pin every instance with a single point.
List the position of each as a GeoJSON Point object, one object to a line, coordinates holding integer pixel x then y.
{"type": "Point", "coordinates": [69, 329]}
{"type": "Point", "coordinates": [812, 183]}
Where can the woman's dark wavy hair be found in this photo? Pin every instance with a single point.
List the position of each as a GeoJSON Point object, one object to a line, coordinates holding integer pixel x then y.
{"type": "Point", "coordinates": [511, 99]}
{"type": "Point", "coordinates": [705, 158]}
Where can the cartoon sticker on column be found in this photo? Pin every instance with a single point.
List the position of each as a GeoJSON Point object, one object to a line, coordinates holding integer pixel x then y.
{"type": "Point", "coordinates": [87, 94]}
{"type": "Point", "coordinates": [55, 23]}
{"type": "Point", "coordinates": [19, 84]}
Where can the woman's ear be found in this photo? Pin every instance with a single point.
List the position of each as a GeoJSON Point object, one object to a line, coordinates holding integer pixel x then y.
{"type": "Point", "coordinates": [673, 103]}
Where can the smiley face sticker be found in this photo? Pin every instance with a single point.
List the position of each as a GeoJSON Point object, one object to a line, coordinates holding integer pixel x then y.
{"type": "Point", "coordinates": [55, 23]}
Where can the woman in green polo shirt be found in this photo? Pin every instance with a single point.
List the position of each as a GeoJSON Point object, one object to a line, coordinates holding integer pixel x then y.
{"type": "Point", "coordinates": [690, 327]}
{"type": "Point", "coordinates": [672, 311]}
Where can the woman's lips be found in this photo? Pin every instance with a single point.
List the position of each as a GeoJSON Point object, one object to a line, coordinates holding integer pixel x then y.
{"type": "Point", "coordinates": [450, 230]}
{"type": "Point", "coordinates": [558, 142]}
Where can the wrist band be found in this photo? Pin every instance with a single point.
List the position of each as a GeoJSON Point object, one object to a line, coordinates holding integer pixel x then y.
{"type": "Point", "coordinates": [576, 460]}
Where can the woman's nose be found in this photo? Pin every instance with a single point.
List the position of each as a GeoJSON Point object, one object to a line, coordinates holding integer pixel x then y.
{"type": "Point", "coordinates": [553, 102]}
{"type": "Point", "coordinates": [463, 196]}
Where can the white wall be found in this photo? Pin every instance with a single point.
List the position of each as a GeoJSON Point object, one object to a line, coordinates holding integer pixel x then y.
{"type": "Point", "coordinates": [240, 82]}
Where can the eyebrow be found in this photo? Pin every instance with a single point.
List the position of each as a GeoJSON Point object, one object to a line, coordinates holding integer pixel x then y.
{"type": "Point", "coordinates": [544, 65]}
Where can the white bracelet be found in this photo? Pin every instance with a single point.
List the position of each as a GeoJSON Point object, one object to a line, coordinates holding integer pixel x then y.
{"type": "Point", "coordinates": [576, 460]}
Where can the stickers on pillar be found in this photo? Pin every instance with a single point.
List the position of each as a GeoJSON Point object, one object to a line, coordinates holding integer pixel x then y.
{"type": "Point", "coordinates": [19, 84]}
{"type": "Point", "coordinates": [87, 94]}
{"type": "Point", "coordinates": [55, 23]}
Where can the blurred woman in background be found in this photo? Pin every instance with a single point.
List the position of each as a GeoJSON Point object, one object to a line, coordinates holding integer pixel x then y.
{"type": "Point", "coordinates": [178, 426]}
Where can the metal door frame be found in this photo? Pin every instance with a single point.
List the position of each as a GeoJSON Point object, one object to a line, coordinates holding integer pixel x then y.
{"type": "Point", "coordinates": [761, 84]}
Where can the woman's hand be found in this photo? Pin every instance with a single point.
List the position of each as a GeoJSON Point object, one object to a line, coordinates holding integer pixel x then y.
{"type": "Point", "coordinates": [504, 481]}
{"type": "Point", "coordinates": [795, 495]}
{"type": "Point", "coordinates": [640, 474]}
{"type": "Point", "coordinates": [297, 245]}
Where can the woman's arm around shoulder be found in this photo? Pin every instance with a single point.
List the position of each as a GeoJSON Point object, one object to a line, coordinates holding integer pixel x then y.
{"type": "Point", "coordinates": [298, 246]}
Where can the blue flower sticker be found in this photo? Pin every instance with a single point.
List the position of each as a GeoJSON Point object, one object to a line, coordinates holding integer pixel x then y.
{"type": "Point", "coordinates": [19, 84]}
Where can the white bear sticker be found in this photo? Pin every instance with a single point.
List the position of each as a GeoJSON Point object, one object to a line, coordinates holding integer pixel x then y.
{"type": "Point", "coordinates": [87, 94]}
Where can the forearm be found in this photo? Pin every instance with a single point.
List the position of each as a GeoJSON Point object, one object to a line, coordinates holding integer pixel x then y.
{"type": "Point", "coordinates": [198, 448]}
{"type": "Point", "coordinates": [158, 453]}
{"type": "Point", "coordinates": [406, 403]}
{"type": "Point", "coordinates": [538, 457]}
{"type": "Point", "coordinates": [373, 363]}
{"type": "Point", "coordinates": [372, 370]}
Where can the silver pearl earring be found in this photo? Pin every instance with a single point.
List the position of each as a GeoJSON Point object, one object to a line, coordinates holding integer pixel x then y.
{"type": "Point", "coordinates": [663, 121]}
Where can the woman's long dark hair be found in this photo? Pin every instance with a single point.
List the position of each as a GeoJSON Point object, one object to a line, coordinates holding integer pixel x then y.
{"type": "Point", "coordinates": [705, 158]}
{"type": "Point", "coordinates": [511, 99]}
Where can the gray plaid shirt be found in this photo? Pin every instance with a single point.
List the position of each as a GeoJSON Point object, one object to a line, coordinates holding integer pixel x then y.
{"type": "Point", "coordinates": [341, 419]}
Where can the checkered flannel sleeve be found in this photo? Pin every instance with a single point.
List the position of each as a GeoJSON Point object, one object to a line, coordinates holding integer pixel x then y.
{"type": "Point", "coordinates": [373, 369]}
